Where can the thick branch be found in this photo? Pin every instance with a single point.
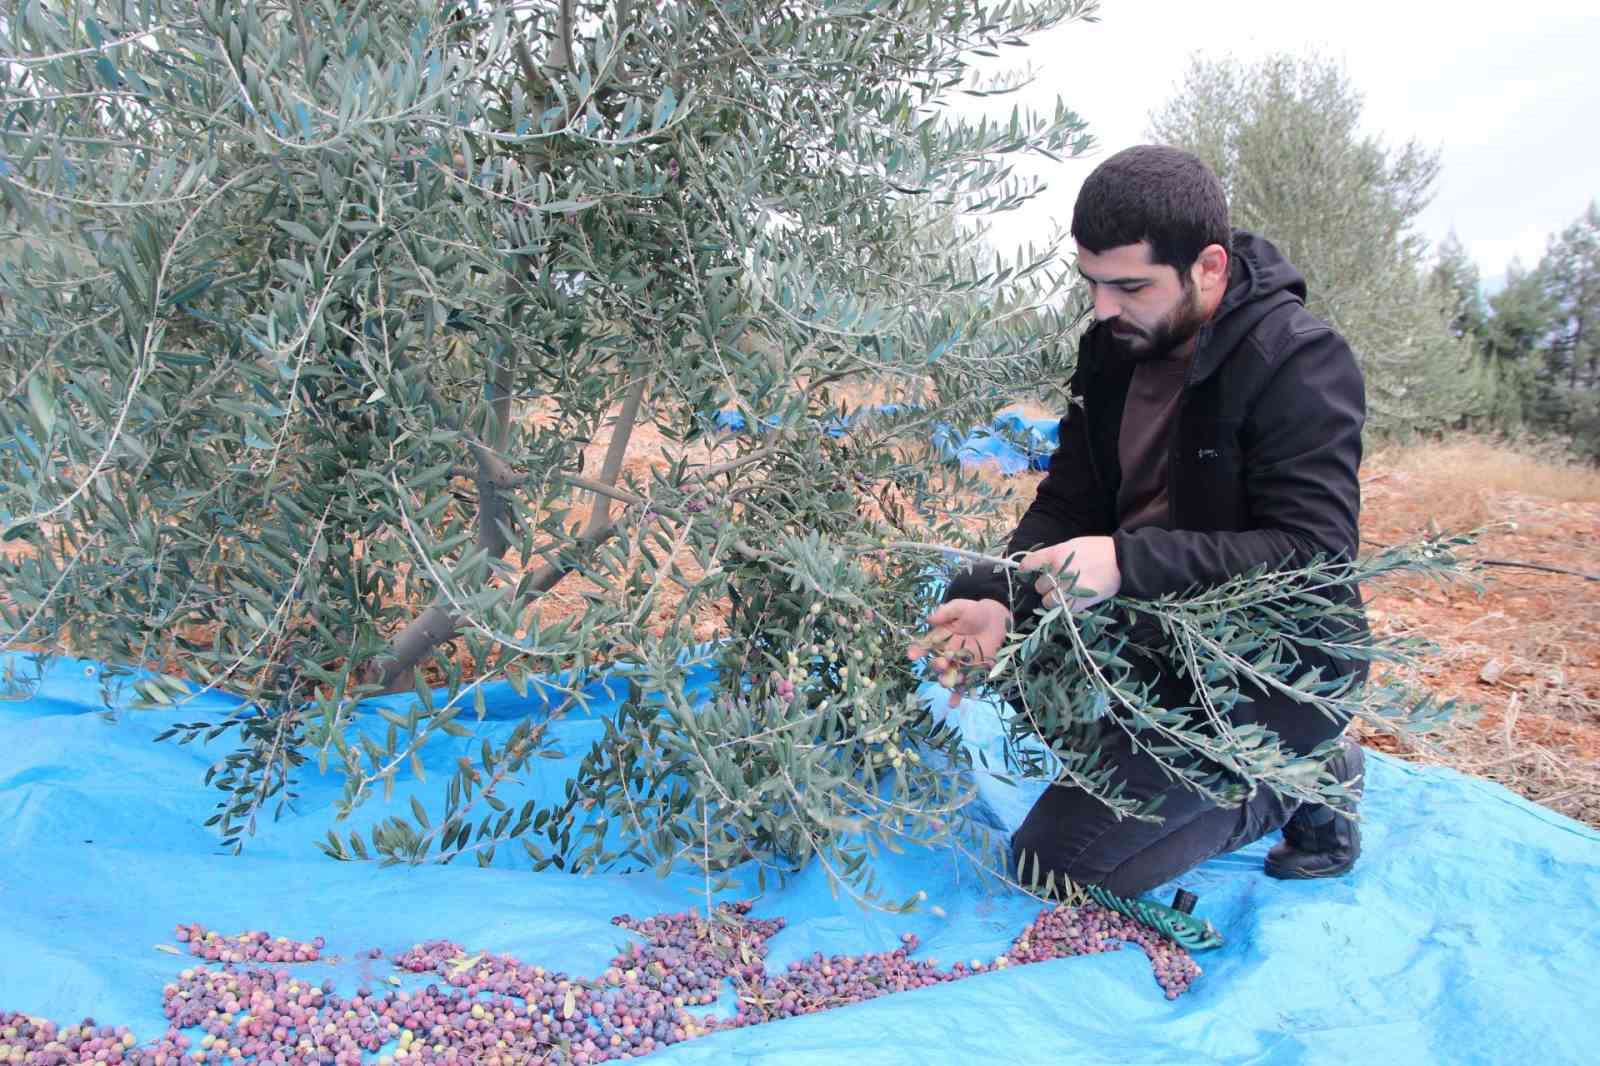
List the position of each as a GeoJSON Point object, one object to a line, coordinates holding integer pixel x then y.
{"type": "Point", "coordinates": [491, 504]}
{"type": "Point", "coordinates": [530, 73]}
{"type": "Point", "coordinates": [562, 55]}
{"type": "Point", "coordinates": [600, 515]}
{"type": "Point", "coordinates": [493, 477]}
{"type": "Point", "coordinates": [600, 488]}
{"type": "Point", "coordinates": [439, 622]}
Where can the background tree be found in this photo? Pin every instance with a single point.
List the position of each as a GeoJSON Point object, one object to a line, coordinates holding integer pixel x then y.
{"type": "Point", "coordinates": [340, 334]}
{"type": "Point", "coordinates": [1570, 270]}
{"type": "Point", "coordinates": [1459, 283]}
{"type": "Point", "coordinates": [1499, 393]}
{"type": "Point", "coordinates": [1512, 339]}
{"type": "Point", "coordinates": [1539, 336]}
{"type": "Point", "coordinates": [1284, 136]}
{"type": "Point", "coordinates": [1570, 277]}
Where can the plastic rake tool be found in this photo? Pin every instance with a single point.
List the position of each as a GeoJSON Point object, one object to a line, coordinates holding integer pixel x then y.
{"type": "Point", "coordinates": [1196, 934]}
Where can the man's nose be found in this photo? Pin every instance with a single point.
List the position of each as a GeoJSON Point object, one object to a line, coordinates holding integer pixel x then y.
{"type": "Point", "coordinates": [1105, 305]}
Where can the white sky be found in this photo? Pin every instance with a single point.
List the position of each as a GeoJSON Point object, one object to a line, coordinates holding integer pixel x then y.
{"type": "Point", "coordinates": [1509, 94]}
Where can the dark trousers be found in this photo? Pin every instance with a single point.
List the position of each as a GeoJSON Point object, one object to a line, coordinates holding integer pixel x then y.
{"type": "Point", "coordinates": [1072, 834]}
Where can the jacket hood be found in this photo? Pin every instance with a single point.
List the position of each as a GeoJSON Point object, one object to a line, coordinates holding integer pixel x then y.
{"type": "Point", "coordinates": [1260, 279]}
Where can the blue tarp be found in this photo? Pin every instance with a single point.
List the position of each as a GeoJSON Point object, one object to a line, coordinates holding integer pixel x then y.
{"type": "Point", "coordinates": [1467, 934]}
{"type": "Point", "coordinates": [1012, 442]}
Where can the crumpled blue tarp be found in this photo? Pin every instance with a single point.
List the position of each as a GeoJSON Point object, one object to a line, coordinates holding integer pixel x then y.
{"type": "Point", "coordinates": [1467, 934]}
{"type": "Point", "coordinates": [1012, 442]}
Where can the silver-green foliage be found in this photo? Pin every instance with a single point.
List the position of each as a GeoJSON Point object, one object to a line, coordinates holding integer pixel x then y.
{"type": "Point", "coordinates": [1089, 676]}
{"type": "Point", "coordinates": [282, 280]}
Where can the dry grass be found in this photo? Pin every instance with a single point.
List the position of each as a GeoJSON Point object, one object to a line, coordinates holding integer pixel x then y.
{"type": "Point", "coordinates": [1455, 481]}
{"type": "Point", "coordinates": [1562, 776]}
{"type": "Point", "coordinates": [1495, 466]}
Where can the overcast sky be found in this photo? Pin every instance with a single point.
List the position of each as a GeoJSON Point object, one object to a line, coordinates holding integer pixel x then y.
{"type": "Point", "coordinates": [1509, 94]}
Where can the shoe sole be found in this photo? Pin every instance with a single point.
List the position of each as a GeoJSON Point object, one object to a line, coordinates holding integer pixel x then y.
{"type": "Point", "coordinates": [1300, 874]}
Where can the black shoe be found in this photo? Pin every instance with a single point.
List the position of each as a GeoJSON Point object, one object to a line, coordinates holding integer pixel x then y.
{"type": "Point", "coordinates": [1319, 841]}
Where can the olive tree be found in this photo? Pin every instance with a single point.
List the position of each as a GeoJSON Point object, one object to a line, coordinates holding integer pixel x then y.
{"type": "Point", "coordinates": [339, 335]}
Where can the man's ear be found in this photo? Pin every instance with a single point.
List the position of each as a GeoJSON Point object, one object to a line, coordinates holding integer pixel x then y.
{"type": "Point", "coordinates": [1210, 271]}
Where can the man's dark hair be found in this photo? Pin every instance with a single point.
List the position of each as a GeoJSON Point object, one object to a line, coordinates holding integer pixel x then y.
{"type": "Point", "coordinates": [1152, 193]}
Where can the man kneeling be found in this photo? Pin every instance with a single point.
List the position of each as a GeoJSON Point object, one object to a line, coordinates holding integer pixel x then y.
{"type": "Point", "coordinates": [1219, 431]}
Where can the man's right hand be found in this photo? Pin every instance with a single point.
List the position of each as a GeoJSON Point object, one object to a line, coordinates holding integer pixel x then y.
{"type": "Point", "coordinates": [964, 633]}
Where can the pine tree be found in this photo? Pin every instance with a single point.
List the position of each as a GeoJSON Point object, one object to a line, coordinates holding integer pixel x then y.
{"type": "Point", "coordinates": [1460, 286]}
{"type": "Point", "coordinates": [1514, 339]}
{"type": "Point", "coordinates": [1570, 271]}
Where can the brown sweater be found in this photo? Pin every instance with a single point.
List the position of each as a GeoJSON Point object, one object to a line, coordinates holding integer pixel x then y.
{"type": "Point", "coordinates": [1148, 416]}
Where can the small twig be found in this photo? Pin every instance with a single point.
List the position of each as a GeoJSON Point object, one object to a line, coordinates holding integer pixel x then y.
{"type": "Point", "coordinates": [705, 839]}
{"type": "Point", "coordinates": [960, 553]}
{"type": "Point", "coordinates": [1519, 564]}
{"type": "Point", "coordinates": [1477, 769]}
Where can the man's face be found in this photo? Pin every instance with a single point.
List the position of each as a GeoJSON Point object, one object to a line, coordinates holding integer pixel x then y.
{"type": "Point", "coordinates": [1149, 309]}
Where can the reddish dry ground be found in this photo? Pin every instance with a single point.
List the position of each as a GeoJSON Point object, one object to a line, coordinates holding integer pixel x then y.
{"type": "Point", "coordinates": [648, 449]}
{"type": "Point", "coordinates": [1524, 652]}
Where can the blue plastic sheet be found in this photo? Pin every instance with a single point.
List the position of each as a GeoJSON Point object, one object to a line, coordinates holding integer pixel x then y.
{"type": "Point", "coordinates": [731, 421]}
{"type": "Point", "coordinates": [1467, 933]}
{"type": "Point", "coordinates": [1011, 443]}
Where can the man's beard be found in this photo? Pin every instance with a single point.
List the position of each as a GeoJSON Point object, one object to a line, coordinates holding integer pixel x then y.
{"type": "Point", "coordinates": [1166, 337]}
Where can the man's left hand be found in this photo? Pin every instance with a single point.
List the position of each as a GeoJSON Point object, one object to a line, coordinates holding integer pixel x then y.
{"type": "Point", "coordinates": [1093, 568]}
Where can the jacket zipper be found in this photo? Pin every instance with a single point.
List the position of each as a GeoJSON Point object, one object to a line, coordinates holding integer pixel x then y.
{"type": "Point", "coordinates": [1177, 425]}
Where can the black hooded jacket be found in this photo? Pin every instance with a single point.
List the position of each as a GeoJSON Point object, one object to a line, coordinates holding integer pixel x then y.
{"type": "Point", "coordinates": [1262, 462]}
